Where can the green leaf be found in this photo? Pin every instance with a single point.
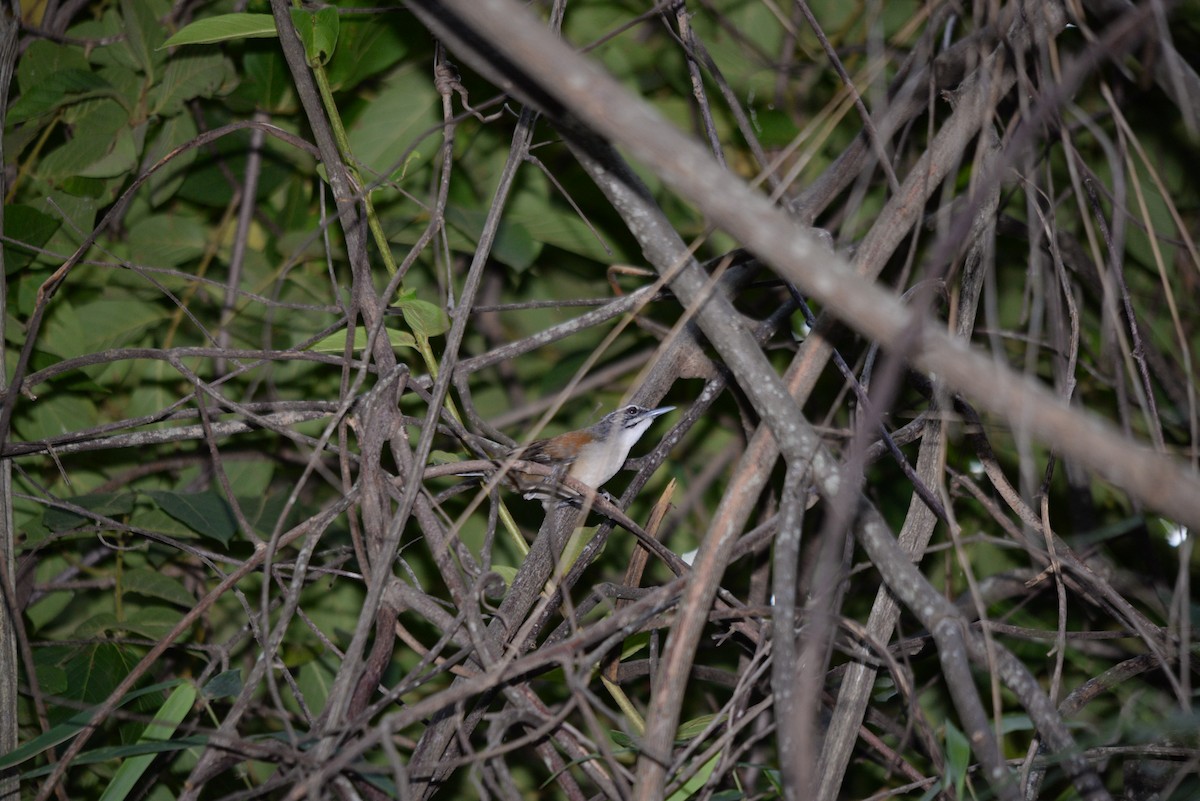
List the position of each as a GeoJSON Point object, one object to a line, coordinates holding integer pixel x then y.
{"type": "Point", "coordinates": [623, 740]}
{"type": "Point", "coordinates": [166, 180]}
{"type": "Point", "coordinates": [252, 479]}
{"type": "Point", "coordinates": [690, 729]}
{"type": "Point", "coordinates": [102, 323]}
{"type": "Point", "coordinates": [223, 28]}
{"type": "Point", "coordinates": [46, 610]}
{"type": "Point", "coordinates": [774, 127]}
{"type": "Point", "coordinates": [188, 76]}
{"type": "Point", "coordinates": [381, 136]}
{"type": "Point", "coordinates": [205, 513]}
{"type": "Point", "coordinates": [25, 225]}
{"type": "Point", "coordinates": [169, 716]}
{"type": "Point", "coordinates": [154, 584]}
{"type": "Point", "coordinates": [97, 756]}
{"type": "Point", "coordinates": [69, 728]}
{"type": "Point", "coordinates": [94, 671]}
{"type": "Point", "coordinates": [958, 758]}
{"type": "Point", "coordinates": [226, 684]}
{"type": "Point", "coordinates": [424, 318]}
{"type": "Point", "coordinates": [54, 415]}
{"type": "Point", "coordinates": [698, 780]}
{"type": "Point", "coordinates": [267, 80]}
{"type": "Point", "coordinates": [152, 622]}
{"type": "Point", "coordinates": [106, 504]}
{"type": "Point", "coordinates": [43, 61]}
{"type": "Point", "coordinates": [366, 47]}
{"type": "Point", "coordinates": [262, 511]}
{"type": "Point", "coordinates": [336, 342]}
{"type": "Point", "coordinates": [318, 31]}
{"type": "Point", "coordinates": [143, 34]}
{"type": "Point", "coordinates": [104, 147]}
{"type": "Point", "coordinates": [514, 244]}
{"type": "Point", "coordinates": [315, 679]}
{"type": "Point", "coordinates": [120, 158]}
{"type": "Point", "coordinates": [552, 224]}
{"type": "Point", "coordinates": [56, 90]}
{"type": "Point", "coordinates": [506, 572]}
{"type": "Point", "coordinates": [167, 240]}
{"type": "Point", "coordinates": [60, 204]}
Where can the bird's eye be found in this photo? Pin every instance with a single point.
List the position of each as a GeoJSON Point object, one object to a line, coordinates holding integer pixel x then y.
{"type": "Point", "coordinates": [631, 411]}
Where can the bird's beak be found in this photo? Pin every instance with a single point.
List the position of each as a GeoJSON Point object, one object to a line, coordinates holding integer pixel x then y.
{"type": "Point", "coordinates": [659, 412]}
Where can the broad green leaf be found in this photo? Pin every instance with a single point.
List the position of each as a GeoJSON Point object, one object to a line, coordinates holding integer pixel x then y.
{"type": "Point", "coordinates": [42, 61]}
{"type": "Point", "coordinates": [154, 584]}
{"type": "Point", "coordinates": [579, 538]}
{"type": "Point", "coordinates": [318, 31]}
{"type": "Point", "coordinates": [52, 679]}
{"type": "Point", "coordinates": [25, 225]}
{"type": "Point", "coordinates": [187, 76]}
{"type": "Point", "coordinates": [553, 224]}
{"type": "Point", "coordinates": [336, 342]}
{"type": "Point", "coordinates": [514, 245]}
{"type": "Point", "coordinates": [366, 46]}
{"type": "Point", "coordinates": [315, 680]}
{"type": "Point", "coordinates": [207, 181]}
{"type": "Point", "coordinates": [169, 716]}
{"type": "Point", "coordinates": [94, 671]}
{"type": "Point", "coordinates": [206, 513]}
{"type": "Point", "coordinates": [155, 519]}
{"type": "Point", "coordinates": [46, 610]}
{"type": "Point", "coordinates": [129, 89]}
{"type": "Point", "coordinates": [143, 34]}
{"type": "Point", "coordinates": [164, 183]}
{"type": "Point", "coordinates": [107, 149]}
{"type": "Point", "coordinates": [773, 127]}
{"type": "Point", "coordinates": [266, 81]}
{"type": "Point", "coordinates": [79, 211]}
{"type": "Point", "coordinates": [57, 90]}
{"type": "Point", "coordinates": [153, 386]}
{"type": "Point", "coordinates": [623, 740]}
{"type": "Point", "coordinates": [252, 478]}
{"type": "Point", "coordinates": [101, 323]}
{"type": "Point", "coordinates": [383, 134]}
{"type": "Point", "coordinates": [438, 456]}
{"type": "Point", "coordinates": [98, 624]}
{"type": "Point", "coordinates": [424, 318]}
{"type": "Point", "coordinates": [120, 158]}
{"type": "Point", "coordinates": [167, 240]}
{"type": "Point", "coordinates": [153, 622]}
{"type": "Point", "coordinates": [223, 28]}
{"type": "Point", "coordinates": [226, 684]}
{"type": "Point", "coordinates": [106, 504]}
{"type": "Point", "coordinates": [262, 511]}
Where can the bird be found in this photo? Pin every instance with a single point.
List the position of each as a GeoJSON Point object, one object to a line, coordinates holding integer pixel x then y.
{"type": "Point", "coordinates": [590, 455]}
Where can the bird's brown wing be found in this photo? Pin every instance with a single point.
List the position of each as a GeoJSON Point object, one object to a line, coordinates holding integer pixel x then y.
{"type": "Point", "coordinates": [560, 450]}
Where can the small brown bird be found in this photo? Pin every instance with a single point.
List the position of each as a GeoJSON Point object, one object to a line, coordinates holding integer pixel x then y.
{"type": "Point", "coordinates": [590, 455]}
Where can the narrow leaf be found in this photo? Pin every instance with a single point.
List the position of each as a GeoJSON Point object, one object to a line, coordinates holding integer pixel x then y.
{"type": "Point", "coordinates": [68, 729]}
{"type": "Point", "coordinates": [223, 28]}
{"type": "Point", "coordinates": [169, 716]}
{"type": "Point", "coordinates": [336, 343]}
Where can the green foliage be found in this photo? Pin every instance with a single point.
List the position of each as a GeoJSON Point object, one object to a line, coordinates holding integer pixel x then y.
{"type": "Point", "coordinates": [224, 28]}
{"type": "Point", "coordinates": [194, 402]}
